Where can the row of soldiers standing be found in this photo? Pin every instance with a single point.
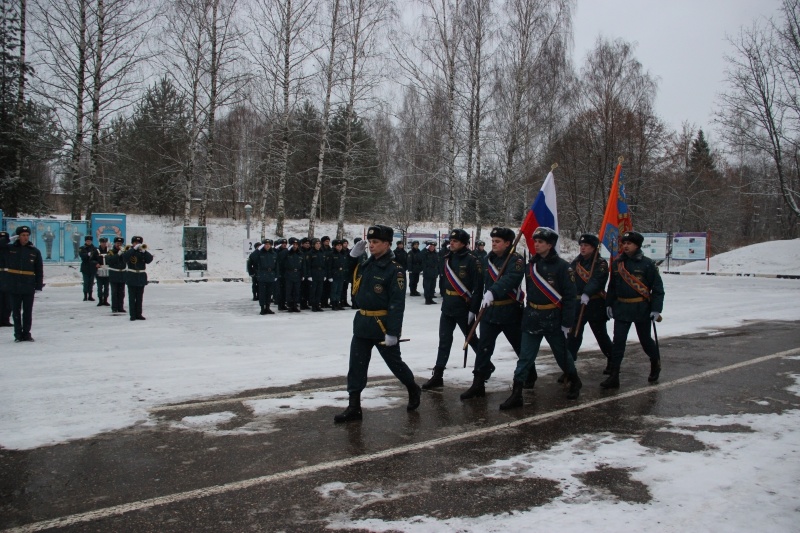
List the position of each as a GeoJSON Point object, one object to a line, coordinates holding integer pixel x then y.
{"type": "Point", "coordinates": [300, 274]}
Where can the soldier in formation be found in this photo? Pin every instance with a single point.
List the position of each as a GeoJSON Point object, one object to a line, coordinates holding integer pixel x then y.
{"type": "Point", "coordinates": [318, 269]}
{"type": "Point", "coordinates": [267, 274]}
{"type": "Point", "coordinates": [462, 289]}
{"type": "Point", "coordinates": [292, 267]}
{"type": "Point", "coordinates": [430, 272]}
{"type": "Point", "coordinates": [339, 272]}
{"type": "Point", "coordinates": [23, 275]}
{"type": "Point", "coordinates": [116, 275]}
{"type": "Point", "coordinates": [414, 268]}
{"type": "Point", "coordinates": [635, 296]}
{"type": "Point", "coordinates": [549, 314]}
{"type": "Point", "coordinates": [136, 259]}
{"type": "Point", "coordinates": [379, 290]}
{"type": "Point", "coordinates": [101, 271]}
{"type": "Point", "coordinates": [88, 269]}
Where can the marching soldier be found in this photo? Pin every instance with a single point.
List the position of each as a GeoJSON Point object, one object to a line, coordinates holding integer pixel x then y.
{"type": "Point", "coordinates": [361, 258]}
{"type": "Point", "coordinates": [25, 276]}
{"type": "Point", "coordinates": [430, 272]}
{"type": "Point", "coordinates": [267, 274]}
{"type": "Point", "coordinates": [415, 267]}
{"type": "Point", "coordinates": [88, 269]}
{"type": "Point", "coordinates": [462, 287]}
{"type": "Point", "coordinates": [635, 296]}
{"type": "Point", "coordinates": [549, 314]}
{"type": "Point", "coordinates": [101, 271]}
{"type": "Point", "coordinates": [339, 272]}
{"type": "Point", "coordinates": [591, 276]}
{"type": "Point", "coordinates": [346, 282]}
{"type": "Point", "coordinates": [136, 259]}
{"type": "Point", "coordinates": [116, 276]}
{"type": "Point", "coordinates": [502, 298]}
{"type": "Point", "coordinates": [379, 290]}
{"type": "Point", "coordinates": [5, 295]}
{"type": "Point", "coordinates": [318, 271]}
{"type": "Point", "coordinates": [293, 270]}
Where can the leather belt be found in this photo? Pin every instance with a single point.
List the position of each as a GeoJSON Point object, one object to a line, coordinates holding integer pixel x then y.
{"type": "Point", "coordinates": [23, 272]}
{"type": "Point", "coordinates": [498, 303]}
{"type": "Point", "coordinates": [451, 293]}
{"type": "Point", "coordinates": [631, 300]}
{"type": "Point", "coordinates": [379, 312]}
{"type": "Point", "coordinates": [542, 307]}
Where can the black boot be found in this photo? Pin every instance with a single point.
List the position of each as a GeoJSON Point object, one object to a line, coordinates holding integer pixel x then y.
{"type": "Point", "coordinates": [612, 381]}
{"type": "Point", "coordinates": [655, 370]}
{"type": "Point", "coordinates": [105, 302]}
{"type": "Point", "coordinates": [562, 377]}
{"type": "Point", "coordinates": [85, 296]}
{"type": "Point", "coordinates": [100, 303]}
{"type": "Point", "coordinates": [477, 390]}
{"type": "Point", "coordinates": [282, 307]}
{"type": "Point", "coordinates": [263, 310]}
{"type": "Point", "coordinates": [575, 386]}
{"type": "Point", "coordinates": [436, 379]}
{"type": "Point", "coordinates": [532, 377]}
{"type": "Point", "coordinates": [269, 311]}
{"type": "Point", "coordinates": [90, 297]}
{"type": "Point", "coordinates": [515, 400]}
{"type": "Point", "coordinates": [607, 370]}
{"type": "Point", "coordinates": [353, 411]}
{"type": "Point", "coordinates": [414, 395]}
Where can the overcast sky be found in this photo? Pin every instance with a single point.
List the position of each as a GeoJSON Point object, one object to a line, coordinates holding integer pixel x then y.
{"type": "Point", "coordinates": [681, 42]}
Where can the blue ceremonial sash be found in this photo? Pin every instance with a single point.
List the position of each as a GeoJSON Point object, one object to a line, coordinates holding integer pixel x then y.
{"type": "Point", "coordinates": [544, 287]}
{"type": "Point", "coordinates": [456, 283]}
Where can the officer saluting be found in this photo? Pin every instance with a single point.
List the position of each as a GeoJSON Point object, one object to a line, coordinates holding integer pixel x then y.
{"type": "Point", "coordinates": [379, 290]}
{"type": "Point", "coordinates": [136, 260]}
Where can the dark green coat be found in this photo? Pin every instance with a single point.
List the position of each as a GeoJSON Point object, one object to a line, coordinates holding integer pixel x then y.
{"type": "Point", "coordinates": [645, 270]}
{"type": "Point", "coordinates": [415, 261]}
{"type": "Point", "coordinates": [594, 288]}
{"type": "Point", "coordinates": [24, 268]}
{"type": "Point", "coordinates": [293, 266]}
{"type": "Point", "coordinates": [86, 253]}
{"type": "Point", "coordinates": [468, 269]}
{"type": "Point", "coordinates": [116, 266]}
{"type": "Point", "coordinates": [401, 256]}
{"type": "Point", "coordinates": [382, 286]}
{"type": "Point", "coordinates": [318, 265]}
{"type": "Point", "coordinates": [339, 265]}
{"type": "Point", "coordinates": [507, 283]}
{"type": "Point", "coordinates": [430, 263]}
{"type": "Point", "coordinates": [558, 275]}
{"type": "Point", "coordinates": [266, 263]}
{"type": "Point", "coordinates": [136, 262]}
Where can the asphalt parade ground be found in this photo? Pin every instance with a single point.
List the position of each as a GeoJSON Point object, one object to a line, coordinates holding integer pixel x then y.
{"type": "Point", "coordinates": [154, 477]}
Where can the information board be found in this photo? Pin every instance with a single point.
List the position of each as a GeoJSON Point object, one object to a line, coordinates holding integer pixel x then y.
{"type": "Point", "coordinates": [655, 245]}
{"type": "Point", "coordinates": [249, 246]}
{"type": "Point", "coordinates": [689, 246]}
{"type": "Point", "coordinates": [195, 248]}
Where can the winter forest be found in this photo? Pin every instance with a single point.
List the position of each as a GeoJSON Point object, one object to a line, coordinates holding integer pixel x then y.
{"type": "Point", "coordinates": [380, 111]}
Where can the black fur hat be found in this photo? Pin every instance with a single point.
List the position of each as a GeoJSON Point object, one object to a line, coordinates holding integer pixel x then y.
{"type": "Point", "coordinates": [507, 234]}
{"type": "Point", "coordinates": [266, 241]}
{"type": "Point", "coordinates": [546, 234]}
{"type": "Point", "coordinates": [87, 238]}
{"type": "Point", "coordinates": [136, 239]}
{"type": "Point", "coordinates": [634, 237]}
{"type": "Point", "coordinates": [459, 235]}
{"type": "Point", "coordinates": [590, 239]}
{"type": "Point", "coordinates": [119, 240]}
{"type": "Point", "coordinates": [380, 232]}
{"type": "Point", "coordinates": [23, 229]}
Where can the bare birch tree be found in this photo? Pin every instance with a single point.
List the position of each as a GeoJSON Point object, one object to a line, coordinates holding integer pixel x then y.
{"type": "Point", "coordinates": [283, 45]}
{"type": "Point", "coordinates": [23, 68]}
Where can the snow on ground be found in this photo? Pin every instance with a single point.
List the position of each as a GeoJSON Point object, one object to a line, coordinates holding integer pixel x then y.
{"type": "Point", "coordinates": [90, 372]}
{"type": "Point", "coordinates": [774, 258]}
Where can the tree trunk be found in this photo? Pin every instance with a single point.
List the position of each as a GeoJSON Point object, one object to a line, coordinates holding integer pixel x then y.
{"type": "Point", "coordinates": [77, 139]}
{"type": "Point", "coordinates": [212, 109]}
{"type": "Point", "coordinates": [280, 215]}
{"type": "Point", "coordinates": [94, 149]}
{"type": "Point", "coordinates": [23, 8]}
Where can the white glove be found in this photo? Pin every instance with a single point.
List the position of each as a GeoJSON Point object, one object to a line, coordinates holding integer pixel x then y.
{"type": "Point", "coordinates": [330, 280]}
{"type": "Point", "coordinates": [137, 246]}
{"type": "Point", "coordinates": [610, 312]}
{"type": "Point", "coordinates": [470, 317]}
{"type": "Point", "coordinates": [654, 316]}
{"type": "Point", "coordinates": [390, 340]}
{"type": "Point", "coordinates": [584, 299]}
{"type": "Point", "coordinates": [358, 249]}
{"type": "Point", "coordinates": [488, 298]}
{"type": "Point", "coordinates": [565, 329]}
{"type": "Point", "coordinates": [13, 238]}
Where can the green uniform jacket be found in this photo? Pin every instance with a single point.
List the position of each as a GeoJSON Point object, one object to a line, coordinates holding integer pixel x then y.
{"type": "Point", "coordinates": [267, 265]}
{"type": "Point", "coordinates": [415, 260]}
{"type": "Point", "coordinates": [318, 265]}
{"type": "Point", "coordinates": [116, 266]}
{"type": "Point", "coordinates": [340, 268]}
{"type": "Point", "coordinates": [136, 262]}
{"type": "Point", "coordinates": [86, 253]}
{"type": "Point", "coordinates": [469, 271]}
{"type": "Point", "coordinates": [507, 283]}
{"type": "Point", "coordinates": [430, 263]}
{"type": "Point", "coordinates": [293, 266]}
{"type": "Point", "coordinates": [594, 288]}
{"type": "Point", "coordinates": [24, 268]}
{"type": "Point", "coordinates": [382, 287]}
{"type": "Point", "coordinates": [557, 273]}
{"type": "Point", "coordinates": [645, 270]}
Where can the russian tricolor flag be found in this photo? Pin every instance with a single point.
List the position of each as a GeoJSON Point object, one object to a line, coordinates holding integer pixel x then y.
{"type": "Point", "coordinates": [543, 212]}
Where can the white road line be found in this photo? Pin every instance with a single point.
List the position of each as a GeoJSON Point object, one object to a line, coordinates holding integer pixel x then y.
{"type": "Point", "coordinates": [341, 463]}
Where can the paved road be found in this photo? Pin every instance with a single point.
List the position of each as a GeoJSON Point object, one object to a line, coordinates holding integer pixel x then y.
{"type": "Point", "coordinates": [154, 477]}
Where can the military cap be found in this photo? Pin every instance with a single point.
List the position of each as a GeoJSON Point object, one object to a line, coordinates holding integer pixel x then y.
{"type": "Point", "coordinates": [24, 229]}
{"type": "Point", "coordinates": [414, 242]}
{"type": "Point", "coordinates": [399, 242]}
{"type": "Point", "coordinates": [503, 233]}
{"type": "Point", "coordinates": [336, 242]}
{"type": "Point", "coordinates": [136, 239]}
{"type": "Point", "coordinates": [380, 232]}
{"type": "Point", "coordinates": [590, 239]}
{"type": "Point", "coordinates": [430, 243]}
{"type": "Point", "coordinates": [634, 237]}
{"type": "Point", "coordinates": [546, 234]}
{"type": "Point", "coordinates": [305, 240]}
{"type": "Point", "coordinates": [88, 238]}
{"type": "Point", "coordinates": [480, 243]}
{"type": "Point", "coordinates": [3, 234]}
{"type": "Point", "coordinates": [325, 238]}
{"type": "Point", "coordinates": [103, 239]}
{"type": "Point", "coordinates": [315, 240]}
{"type": "Point", "coordinates": [266, 241]}
{"type": "Point", "coordinates": [293, 240]}
{"type": "Point", "coordinates": [459, 235]}
{"type": "Point", "coordinates": [280, 241]}
{"type": "Point", "coordinates": [119, 240]}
